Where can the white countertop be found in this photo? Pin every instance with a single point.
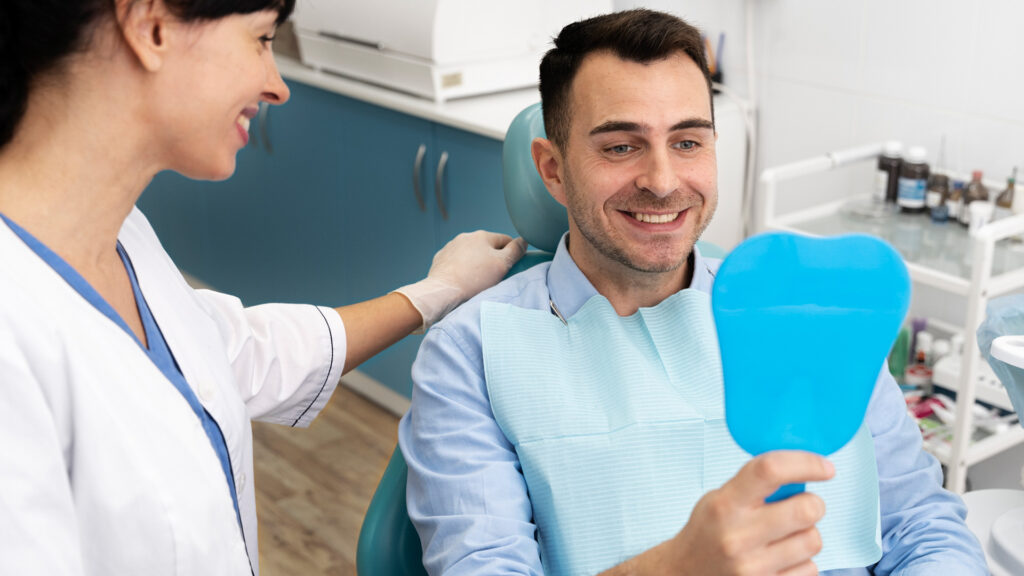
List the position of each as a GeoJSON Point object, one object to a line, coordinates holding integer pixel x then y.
{"type": "Point", "coordinates": [487, 115]}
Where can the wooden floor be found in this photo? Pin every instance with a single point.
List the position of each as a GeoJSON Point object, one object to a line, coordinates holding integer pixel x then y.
{"type": "Point", "coordinates": [313, 486]}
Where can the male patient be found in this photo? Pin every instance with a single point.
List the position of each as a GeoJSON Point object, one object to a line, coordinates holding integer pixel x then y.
{"type": "Point", "coordinates": [570, 420]}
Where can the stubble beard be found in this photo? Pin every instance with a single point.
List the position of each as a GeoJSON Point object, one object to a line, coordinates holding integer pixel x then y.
{"type": "Point", "coordinates": [592, 232]}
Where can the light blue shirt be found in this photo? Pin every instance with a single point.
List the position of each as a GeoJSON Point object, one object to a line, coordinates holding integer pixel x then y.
{"type": "Point", "coordinates": [469, 501]}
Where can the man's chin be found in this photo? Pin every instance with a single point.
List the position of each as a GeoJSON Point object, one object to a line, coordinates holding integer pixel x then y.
{"type": "Point", "coordinates": [658, 265]}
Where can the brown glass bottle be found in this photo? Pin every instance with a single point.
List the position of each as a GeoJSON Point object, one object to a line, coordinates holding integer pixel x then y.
{"type": "Point", "coordinates": [1004, 202]}
{"type": "Point", "coordinates": [975, 192]}
{"type": "Point", "coordinates": [888, 173]}
{"type": "Point", "coordinates": [913, 181]}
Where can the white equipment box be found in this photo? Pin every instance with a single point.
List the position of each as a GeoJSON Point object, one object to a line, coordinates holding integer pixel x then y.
{"type": "Point", "coordinates": [438, 49]}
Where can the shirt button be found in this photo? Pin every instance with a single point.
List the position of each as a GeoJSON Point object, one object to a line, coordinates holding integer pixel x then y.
{"type": "Point", "coordinates": [241, 481]}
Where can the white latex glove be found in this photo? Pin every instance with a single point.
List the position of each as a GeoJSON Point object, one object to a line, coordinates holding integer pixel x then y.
{"type": "Point", "coordinates": [471, 262]}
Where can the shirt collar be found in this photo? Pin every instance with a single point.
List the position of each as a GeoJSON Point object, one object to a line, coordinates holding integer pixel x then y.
{"type": "Point", "coordinates": [570, 289]}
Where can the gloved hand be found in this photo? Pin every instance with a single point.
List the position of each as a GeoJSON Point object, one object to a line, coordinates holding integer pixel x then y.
{"type": "Point", "coordinates": [1004, 317]}
{"type": "Point", "coordinates": [468, 264]}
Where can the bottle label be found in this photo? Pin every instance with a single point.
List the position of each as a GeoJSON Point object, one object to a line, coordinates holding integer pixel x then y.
{"type": "Point", "coordinates": [911, 193]}
{"type": "Point", "coordinates": [954, 208]}
{"type": "Point", "coordinates": [881, 185]}
{"type": "Point", "coordinates": [933, 198]}
{"type": "Point", "coordinates": [965, 214]}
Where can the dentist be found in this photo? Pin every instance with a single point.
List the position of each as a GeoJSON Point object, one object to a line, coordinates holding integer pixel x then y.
{"type": "Point", "coordinates": [125, 395]}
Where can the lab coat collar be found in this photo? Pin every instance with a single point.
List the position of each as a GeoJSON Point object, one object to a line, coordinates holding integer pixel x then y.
{"type": "Point", "coordinates": [570, 289]}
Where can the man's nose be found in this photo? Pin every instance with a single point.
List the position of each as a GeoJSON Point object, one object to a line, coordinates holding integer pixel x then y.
{"type": "Point", "coordinates": [658, 176]}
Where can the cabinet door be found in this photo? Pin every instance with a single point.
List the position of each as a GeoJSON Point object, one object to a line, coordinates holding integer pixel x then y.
{"type": "Point", "coordinates": [177, 208]}
{"type": "Point", "coordinates": [277, 238]}
{"type": "Point", "coordinates": [471, 185]}
{"type": "Point", "coordinates": [390, 237]}
{"type": "Point", "coordinates": [268, 233]}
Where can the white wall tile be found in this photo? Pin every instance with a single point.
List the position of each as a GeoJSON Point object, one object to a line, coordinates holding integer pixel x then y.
{"type": "Point", "coordinates": [919, 51]}
{"type": "Point", "coordinates": [800, 121]}
{"type": "Point", "coordinates": [879, 119]}
{"type": "Point", "coordinates": [996, 86]}
{"type": "Point", "coordinates": [812, 41]}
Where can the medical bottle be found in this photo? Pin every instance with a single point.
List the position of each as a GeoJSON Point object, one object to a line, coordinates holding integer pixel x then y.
{"type": "Point", "coordinates": [913, 181]}
{"type": "Point", "coordinates": [1004, 202]}
{"type": "Point", "coordinates": [955, 200]}
{"type": "Point", "coordinates": [938, 193]}
{"type": "Point", "coordinates": [888, 172]}
{"type": "Point", "coordinates": [975, 191]}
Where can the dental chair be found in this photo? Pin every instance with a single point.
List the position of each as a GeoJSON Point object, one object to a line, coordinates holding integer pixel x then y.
{"type": "Point", "coordinates": [388, 543]}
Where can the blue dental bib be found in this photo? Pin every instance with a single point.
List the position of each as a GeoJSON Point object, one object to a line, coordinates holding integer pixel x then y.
{"type": "Point", "coordinates": [619, 426]}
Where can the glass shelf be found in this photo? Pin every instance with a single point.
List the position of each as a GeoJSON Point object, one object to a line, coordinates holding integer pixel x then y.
{"type": "Point", "coordinates": [944, 246]}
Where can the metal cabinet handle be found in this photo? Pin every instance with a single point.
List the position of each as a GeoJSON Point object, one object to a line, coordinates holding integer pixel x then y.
{"type": "Point", "coordinates": [439, 182]}
{"type": "Point", "coordinates": [417, 167]}
{"type": "Point", "coordinates": [264, 111]}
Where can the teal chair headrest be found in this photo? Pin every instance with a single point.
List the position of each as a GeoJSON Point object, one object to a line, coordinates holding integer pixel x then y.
{"type": "Point", "coordinates": [537, 217]}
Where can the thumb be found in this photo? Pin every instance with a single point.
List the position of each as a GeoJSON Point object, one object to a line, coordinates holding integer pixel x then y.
{"type": "Point", "coordinates": [514, 250]}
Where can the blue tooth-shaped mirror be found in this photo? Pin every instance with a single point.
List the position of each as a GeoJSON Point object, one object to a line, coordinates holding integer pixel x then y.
{"type": "Point", "coordinates": [804, 326]}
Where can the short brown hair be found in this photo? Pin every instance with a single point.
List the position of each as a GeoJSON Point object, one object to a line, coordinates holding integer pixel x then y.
{"type": "Point", "coordinates": [639, 35]}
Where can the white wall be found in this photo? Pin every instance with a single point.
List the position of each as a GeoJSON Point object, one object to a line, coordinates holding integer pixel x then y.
{"type": "Point", "coordinates": [832, 74]}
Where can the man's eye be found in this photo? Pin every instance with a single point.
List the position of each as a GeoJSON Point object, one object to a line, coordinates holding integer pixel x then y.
{"type": "Point", "coordinates": [620, 149]}
{"type": "Point", "coordinates": [687, 145]}
{"type": "Point", "coordinates": [266, 39]}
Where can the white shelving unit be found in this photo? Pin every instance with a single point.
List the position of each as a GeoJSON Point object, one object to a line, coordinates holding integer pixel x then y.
{"type": "Point", "coordinates": [975, 268]}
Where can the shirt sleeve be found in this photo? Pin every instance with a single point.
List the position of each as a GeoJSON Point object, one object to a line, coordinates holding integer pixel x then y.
{"type": "Point", "coordinates": [287, 359]}
{"type": "Point", "coordinates": [923, 528]}
{"type": "Point", "coordinates": [466, 493]}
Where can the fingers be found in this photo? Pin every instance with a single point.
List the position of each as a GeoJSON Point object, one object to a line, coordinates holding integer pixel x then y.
{"type": "Point", "coordinates": [514, 250]}
{"type": "Point", "coordinates": [493, 239]}
{"type": "Point", "coordinates": [794, 514]}
{"type": "Point", "coordinates": [764, 474]}
{"type": "Point", "coordinates": [806, 568]}
{"type": "Point", "coordinates": [509, 248]}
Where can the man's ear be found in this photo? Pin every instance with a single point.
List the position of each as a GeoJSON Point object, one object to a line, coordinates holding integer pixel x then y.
{"type": "Point", "coordinates": [548, 161]}
{"type": "Point", "coordinates": [144, 25]}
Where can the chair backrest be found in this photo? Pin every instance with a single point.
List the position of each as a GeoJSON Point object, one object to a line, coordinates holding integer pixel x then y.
{"type": "Point", "coordinates": [388, 543]}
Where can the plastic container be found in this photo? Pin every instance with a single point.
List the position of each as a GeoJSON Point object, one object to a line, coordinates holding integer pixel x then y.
{"type": "Point", "coordinates": [913, 181]}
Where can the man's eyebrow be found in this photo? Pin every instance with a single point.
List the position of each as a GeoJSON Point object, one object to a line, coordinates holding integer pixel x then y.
{"type": "Point", "coordinates": [693, 123]}
{"type": "Point", "coordinates": [622, 126]}
{"type": "Point", "coordinates": [616, 126]}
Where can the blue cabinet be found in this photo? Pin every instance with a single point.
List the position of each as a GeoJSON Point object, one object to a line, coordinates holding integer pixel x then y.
{"type": "Point", "coordinates": [342, 208]}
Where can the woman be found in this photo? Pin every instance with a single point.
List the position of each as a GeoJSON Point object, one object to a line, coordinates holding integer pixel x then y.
{"type": "Point", "coordinates": [125, 396]}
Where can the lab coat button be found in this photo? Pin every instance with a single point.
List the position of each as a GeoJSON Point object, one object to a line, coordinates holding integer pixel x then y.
{"type": "Point", "coordinates": [241, 482]}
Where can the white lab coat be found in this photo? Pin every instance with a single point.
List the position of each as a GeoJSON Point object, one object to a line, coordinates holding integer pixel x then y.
{"type": "Point", "coordinates": [105, 469]}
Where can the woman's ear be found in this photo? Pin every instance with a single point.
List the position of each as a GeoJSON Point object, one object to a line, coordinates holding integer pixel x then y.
{"type": "Point", "coordinates": [144, 25]}
{"type": "Point", "coordinates": [548, 161]}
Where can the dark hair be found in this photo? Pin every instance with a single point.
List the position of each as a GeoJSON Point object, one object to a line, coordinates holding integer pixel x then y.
{"type": "Point", "coordinates": [639, 35]}
{"type": "Point", "coordinates": [36, 36]}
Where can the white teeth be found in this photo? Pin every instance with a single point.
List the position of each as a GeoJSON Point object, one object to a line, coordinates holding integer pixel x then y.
{"type": "Point", "coordinates": [243, 121]}
{"type": "Point", "coordinates": [655, 218]}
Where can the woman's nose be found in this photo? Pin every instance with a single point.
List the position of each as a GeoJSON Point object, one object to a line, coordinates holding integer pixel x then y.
{"type": "Point", "coordinates": [276, 91]}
